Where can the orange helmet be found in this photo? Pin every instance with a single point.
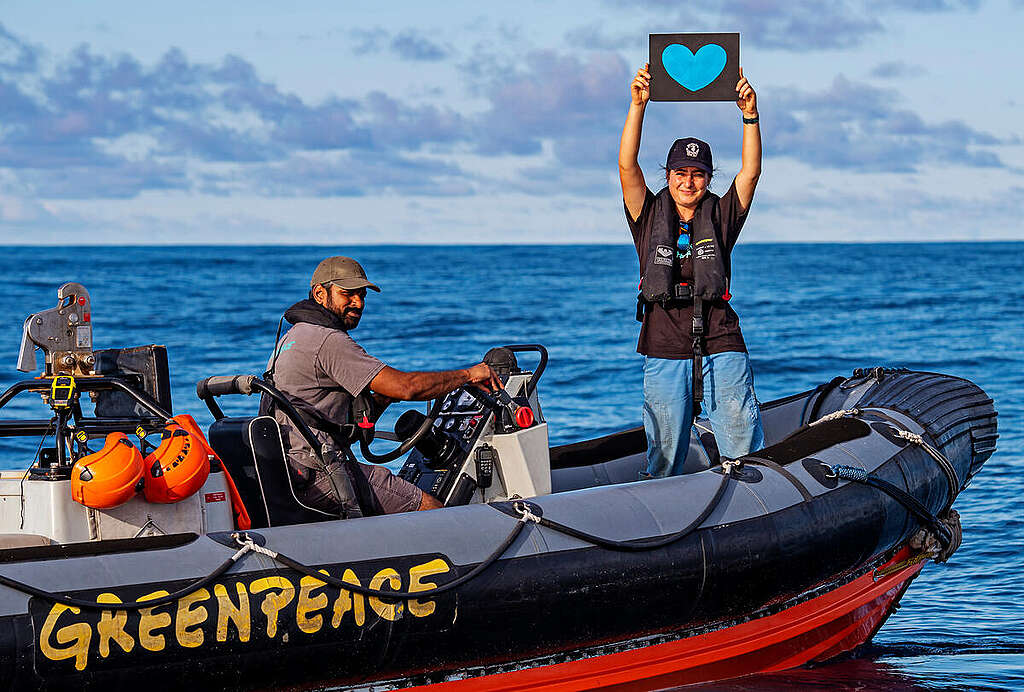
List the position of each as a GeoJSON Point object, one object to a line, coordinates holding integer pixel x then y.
{"type": "Point", "coordinates": [189, 423]}
{"type": "Point", "coordinates": [178, 467]}
{"type": "Point", "coordinates": [110, 477]}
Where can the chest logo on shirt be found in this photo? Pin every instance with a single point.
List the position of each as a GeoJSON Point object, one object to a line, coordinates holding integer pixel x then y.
{"type": "Point", "coordinates": [664, 254]}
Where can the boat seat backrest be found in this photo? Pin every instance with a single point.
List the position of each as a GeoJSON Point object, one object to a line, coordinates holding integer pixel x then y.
{"type": "Point", "coordinates": [252, 449]}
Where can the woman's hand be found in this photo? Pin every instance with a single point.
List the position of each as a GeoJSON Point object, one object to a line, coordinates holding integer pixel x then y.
{"type": "Point", "coordinates": [746, 99]}
{"type": "Point", "coordinates": [640, 90]}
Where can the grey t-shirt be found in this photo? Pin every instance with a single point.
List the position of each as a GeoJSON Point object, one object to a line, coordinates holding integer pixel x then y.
{"type": "Point", "coordinates": [316, 366]}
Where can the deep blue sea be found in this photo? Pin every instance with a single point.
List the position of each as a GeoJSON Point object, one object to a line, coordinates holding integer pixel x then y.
{"type": "Point", "coordinates": [809, 313]}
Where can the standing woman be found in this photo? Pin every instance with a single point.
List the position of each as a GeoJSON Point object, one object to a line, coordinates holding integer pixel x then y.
{"type": "Point", "coordinates": [694, 354]}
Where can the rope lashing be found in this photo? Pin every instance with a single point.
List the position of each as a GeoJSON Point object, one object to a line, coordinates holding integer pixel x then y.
{"type": "Point", "coordinates": [525, 514]}
{"type": "Point", "coordinates": [944, 463]}
{"type": "Point", "coordinates": [925, 541]}
{"type": "Point", "coordinates": [836, 415]}
{"type": "Point", "coordinates": [730, 465]}
{"type": "Point", "coordinates": [248, 545]}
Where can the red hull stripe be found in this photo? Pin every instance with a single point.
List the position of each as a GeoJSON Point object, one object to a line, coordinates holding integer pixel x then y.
{"type": "Point", "coordinates": [815, 630]}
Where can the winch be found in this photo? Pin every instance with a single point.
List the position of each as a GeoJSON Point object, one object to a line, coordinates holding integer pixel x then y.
{"type": "Point", "coordinates": [63, 333]}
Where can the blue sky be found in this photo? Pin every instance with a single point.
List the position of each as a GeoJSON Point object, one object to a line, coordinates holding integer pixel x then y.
{"type": "Point", "coordinates": [342, 123]}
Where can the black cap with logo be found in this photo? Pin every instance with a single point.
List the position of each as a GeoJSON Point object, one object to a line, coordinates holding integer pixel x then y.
{"type": "Point", "coordinates": [690, 152]}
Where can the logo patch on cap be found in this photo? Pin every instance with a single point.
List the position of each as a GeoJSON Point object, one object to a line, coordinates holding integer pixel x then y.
{"type": "Point", "coordinates": [692, 149]}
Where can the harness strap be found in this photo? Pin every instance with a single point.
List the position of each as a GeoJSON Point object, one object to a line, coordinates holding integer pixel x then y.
{"type": "Point", "coordinates": [350, 494]}
{"type": "Point", "coordinates": [698, 354]}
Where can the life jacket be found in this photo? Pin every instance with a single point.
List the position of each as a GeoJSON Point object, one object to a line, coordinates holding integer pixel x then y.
{"type": "Point", "coordinates": [358, 424]}
{"type": "Point", "coordinates": [660, 283]}
{"type": "Point", "coordinates": [711, 271]}
{"type": "Point", "coordinates": [353, 496]}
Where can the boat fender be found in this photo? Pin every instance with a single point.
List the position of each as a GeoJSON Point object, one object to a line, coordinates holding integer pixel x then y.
{"type": "Point", "coordinates": [110, 477]}
{"type": "Point", "coordinates": [177, 468]}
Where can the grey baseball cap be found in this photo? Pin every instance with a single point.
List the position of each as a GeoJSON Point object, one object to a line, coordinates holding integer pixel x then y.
{"type": "Point", "coordinates": [343, 272]}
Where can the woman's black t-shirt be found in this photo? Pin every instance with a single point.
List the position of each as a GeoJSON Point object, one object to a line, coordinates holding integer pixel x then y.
{"type": "Point", "coordinates": [667, 333]}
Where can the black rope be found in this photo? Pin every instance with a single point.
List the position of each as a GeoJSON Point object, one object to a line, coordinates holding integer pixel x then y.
{"type": "Point", "coordinates": [952, 477]}
{"type": "Point", "coordinates": [782, 471]}
{"type": "Point", "coordinates": [284, 560]}
{"type": "Point", "coordinates": [643, 544]}
{"type": "Point", "coordinates": [131, 605]}
{"type": "Point", "coordinates": [405, 595]}
{"type": "Point", "coordinates": [911, 503]}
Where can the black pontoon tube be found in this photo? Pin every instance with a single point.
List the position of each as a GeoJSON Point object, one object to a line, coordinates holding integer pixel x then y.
{"type": "Point", "coordinates": [911, 503]}
{"type": "Point", "coordinates": [524, 512]}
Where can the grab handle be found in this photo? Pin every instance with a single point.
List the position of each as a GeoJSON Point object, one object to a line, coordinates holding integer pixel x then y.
{"type": "Point", "coordinates": [220, 385]}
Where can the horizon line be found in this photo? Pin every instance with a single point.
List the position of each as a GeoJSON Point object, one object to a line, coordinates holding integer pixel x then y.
{"type": "Point", "coordinates": [509, 244]}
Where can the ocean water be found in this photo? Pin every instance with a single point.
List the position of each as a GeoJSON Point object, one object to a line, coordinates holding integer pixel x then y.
{"type": "Point", "coordinates": [809, 313]}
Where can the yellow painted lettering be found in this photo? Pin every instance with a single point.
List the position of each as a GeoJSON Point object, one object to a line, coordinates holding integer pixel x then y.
{"type": "Point", "coordinates": [190, 616]}
{"type": "Point", "coordinates": [388, 611]}
{"type": "Point", "coordinates": [307, 605]}
{"type": "Point", "coordinates": [74, 638]}
{"type": "Point", "coordinates": [422, 609]}
{"type": "Point", "coordinates": [273, 603]}
{"type": "Point", "coordinates": [150, 621]}
{"type": "Point", "coordinates": [226, 610]}
{"type": "Point", "coordinates": [347, 601]}
{"type": "Point", "coordinates": [111, 627]}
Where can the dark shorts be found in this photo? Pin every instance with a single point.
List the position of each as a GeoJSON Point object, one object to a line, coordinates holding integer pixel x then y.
{"type": "Point", "coordinates": [387, 493]}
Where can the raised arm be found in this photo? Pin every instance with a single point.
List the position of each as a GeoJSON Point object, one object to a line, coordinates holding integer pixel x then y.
{"type": "Point", "coordinates": [750, 168]}
{"type": "Point", "coordinates": [634, 188]}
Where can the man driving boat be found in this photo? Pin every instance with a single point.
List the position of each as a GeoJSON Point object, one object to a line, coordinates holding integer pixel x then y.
{"type": "Point", "coordinates": [336, 385]}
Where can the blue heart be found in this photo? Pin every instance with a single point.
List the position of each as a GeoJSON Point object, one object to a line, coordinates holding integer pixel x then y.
{"type": "Point", "coordinates": [693, 71]}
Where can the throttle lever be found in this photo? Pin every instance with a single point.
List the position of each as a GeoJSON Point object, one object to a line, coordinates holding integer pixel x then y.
{"type": "Point", "coordinates": [500, 402]}
{"type": "Point", "coordinates": [522, 415]}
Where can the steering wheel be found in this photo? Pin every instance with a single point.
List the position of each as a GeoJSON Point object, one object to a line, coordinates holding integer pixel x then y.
{"type": "Point", "coordinates": [409, 442]}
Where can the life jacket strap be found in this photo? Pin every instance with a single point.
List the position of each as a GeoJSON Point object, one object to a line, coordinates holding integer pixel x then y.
{"type": "Point", "coordinates": [698, 354]}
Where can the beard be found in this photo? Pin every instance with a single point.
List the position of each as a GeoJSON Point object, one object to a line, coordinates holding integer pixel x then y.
{"type": "Point", "coordinates": [349, 315]}
{"type": "Point", "coordinates": [351, 319]}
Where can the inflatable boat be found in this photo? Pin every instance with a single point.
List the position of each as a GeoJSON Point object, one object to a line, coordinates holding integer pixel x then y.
{"type": "Point", "coordinates": [139, 550]}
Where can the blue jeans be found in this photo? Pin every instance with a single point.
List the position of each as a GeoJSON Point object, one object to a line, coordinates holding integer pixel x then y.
{"type": "Point", "coordinates": [729, 403]}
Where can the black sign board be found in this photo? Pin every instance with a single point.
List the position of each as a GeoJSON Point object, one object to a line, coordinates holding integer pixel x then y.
{"type": "Point", "coordinates": [694, 67]}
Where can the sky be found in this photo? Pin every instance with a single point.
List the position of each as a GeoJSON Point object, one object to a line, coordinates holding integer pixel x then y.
{"type": "Point", "coordinates": [343, 123]}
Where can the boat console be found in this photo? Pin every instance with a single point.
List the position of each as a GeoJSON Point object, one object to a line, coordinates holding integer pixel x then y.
{"type": "Point", "coordinates": [482, 448]}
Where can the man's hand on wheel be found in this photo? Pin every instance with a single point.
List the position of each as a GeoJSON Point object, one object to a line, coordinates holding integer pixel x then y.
{"type": "Point", "coordinates": [484, 376]}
